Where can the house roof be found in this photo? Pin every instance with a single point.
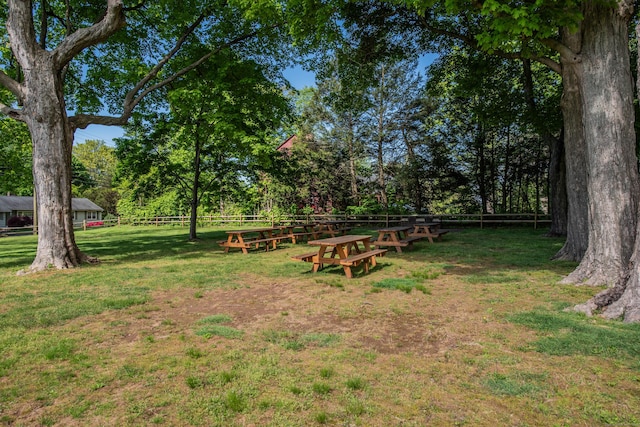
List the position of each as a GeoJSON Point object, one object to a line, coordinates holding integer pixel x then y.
{"type": "Point", "coordinates": [25, 203]}
{"type": "Point", "coordinates": [287, 144]}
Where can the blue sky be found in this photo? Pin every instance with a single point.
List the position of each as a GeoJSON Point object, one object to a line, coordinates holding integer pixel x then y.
{"type": "Point", "coordinates": [298, 77]}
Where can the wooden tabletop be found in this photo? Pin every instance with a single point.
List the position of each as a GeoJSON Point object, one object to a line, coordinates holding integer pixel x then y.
{"type": "Point", "coordinates": [339, 240]}
{"type": "Point", "coordinates": [394, 229]}
{"type": "Point", "coordinates": [253, 230]}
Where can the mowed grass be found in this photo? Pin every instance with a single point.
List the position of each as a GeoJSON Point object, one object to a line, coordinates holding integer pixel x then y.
{"type": "Point", "coordinates": [467, 331]}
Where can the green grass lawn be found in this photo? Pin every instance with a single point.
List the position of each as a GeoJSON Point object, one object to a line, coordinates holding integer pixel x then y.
{"type": "Point", "coordinates": [467, 331]}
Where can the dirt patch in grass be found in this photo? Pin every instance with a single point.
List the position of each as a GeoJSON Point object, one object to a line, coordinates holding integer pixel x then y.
{"type": "Point", "coordinates": [406, 323]}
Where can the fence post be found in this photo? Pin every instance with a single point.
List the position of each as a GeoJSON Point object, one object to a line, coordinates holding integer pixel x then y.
{"type": "Point", "coordinates": [84, 225]}
{"type": "Point", "coordinates": [118, 220]}
{"type": "Point", "coordinates": [481, 219]}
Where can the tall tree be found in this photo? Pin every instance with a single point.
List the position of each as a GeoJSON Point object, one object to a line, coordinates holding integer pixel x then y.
{"type": "Point", "coordinates": [334, 117]}
{"type": "Point", "coordinates": [222, 124]}
{"type": "Point", "coordinates": [99, 159]}
{"type": "Point", "coordinates": [395, 87]}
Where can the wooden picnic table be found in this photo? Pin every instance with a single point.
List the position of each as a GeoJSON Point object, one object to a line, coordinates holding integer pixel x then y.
{"type": "Point", "coordinates": [397, 237]}
{"type": "Point", "coordinates": [299, 232]}
{"type": "Point", "coordinates": [245, 239]}
{"type": "Point", "coordinates": [430, 230]}
{"type": "Point", "coordinates": [333, 228]}
{"type": "Point", "coordinates": [343, 250]}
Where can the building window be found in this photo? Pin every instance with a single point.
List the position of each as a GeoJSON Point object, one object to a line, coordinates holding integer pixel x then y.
{"type": "Point", "coordinates": [92, 215]}
{"type": "Point", "coordinates": [25, 213]}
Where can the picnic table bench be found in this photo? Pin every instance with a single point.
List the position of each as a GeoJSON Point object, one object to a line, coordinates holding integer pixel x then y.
{"type": "Point", "coordinates": [245, 239]}
{"type": "Point", "coordinates": [333, 228]}
{"type": "Point", "coordinates": [344, 251]}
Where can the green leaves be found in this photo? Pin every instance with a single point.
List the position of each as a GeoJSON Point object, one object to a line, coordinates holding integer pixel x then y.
{"type": "Point", "coordinates": [15, 158]}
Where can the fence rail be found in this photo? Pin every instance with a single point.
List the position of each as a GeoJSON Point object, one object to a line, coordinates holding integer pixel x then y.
{"type": "Point", "coordinates": [447, 220]}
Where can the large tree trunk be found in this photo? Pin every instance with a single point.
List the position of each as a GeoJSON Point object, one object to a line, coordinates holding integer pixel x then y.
{"type": "Point", "coordinates": [195, 200]}
{"type": "Point", "coordinates": [557, 174]}
{"type": "Point", "coordinates": [52, 142]}
{"type": "Point", "coordinates": [558, 200]}
{"type": "Point", "coordinates": [623, 299]}
{"type": "Point", "coordinates": [612, 177]}
{"type": "Point", "coordinates": [353, 173]}
{"type": "Point", "coordinates": [482, 167]}
{"type": "Point", "coordinates": [575, 153]}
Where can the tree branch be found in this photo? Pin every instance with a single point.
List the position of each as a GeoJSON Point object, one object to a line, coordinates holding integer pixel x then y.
{"type": "Point", "coordinates": [137, 94]}
{"type": "Point", "coordinates": [21, 32]}
{"type": "Point", "coordinates": [72, 45]}
{"type": "Point", "coordinates": [472, 42]}
{"type": "Point", "coordinates": [131, 100]}
{"type": "Point", "coordinates": [11, 112]}
{"type": "Point", "coordinates": [81, 121]}
{"type": "Point", "coordinates": [13, 86]}
{"type": "Point", "coordinates": [567, 54]}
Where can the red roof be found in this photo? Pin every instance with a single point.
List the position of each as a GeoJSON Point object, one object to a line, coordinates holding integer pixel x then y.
{"type": "Point", "coordinates": [287, 144]}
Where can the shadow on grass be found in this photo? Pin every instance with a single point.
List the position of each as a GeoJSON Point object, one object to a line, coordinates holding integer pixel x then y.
{"type": "Point", "coordinates": [477, 250]}
{"type": "Point", "coordinates": [569, 334]}
{"type": "Point", "coordinates": [146, 244]}
{"type": "Point", "coordinates": [132, 244]}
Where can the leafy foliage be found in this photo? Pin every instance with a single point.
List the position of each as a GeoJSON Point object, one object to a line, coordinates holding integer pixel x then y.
{"type": "Point", "coordinates": [15, 159]}
{"type": "Point", "coordinates": [216, 136]}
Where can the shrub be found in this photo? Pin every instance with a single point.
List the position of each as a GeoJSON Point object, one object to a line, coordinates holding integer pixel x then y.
{"type": "Point", "coordinates": [19, 221]}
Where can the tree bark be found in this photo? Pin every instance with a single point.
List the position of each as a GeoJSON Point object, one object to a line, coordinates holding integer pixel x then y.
{"type": "Point", "coordinates": [353, 174]}
{"type": "Point", "coordinates": [557, 174]}
{"type": "Point", "coordinates": [612, 177]}
{"type": "Point", "coordinates": [482, 167]}
{"type": "Point", "coordinates": [52, 140]}
{"type": "Point", "coordinates": [559, 204]}
{"type": "Point", "coordinates": [195, 199]}
{"type": "Point", "coordinates": [575, 152]}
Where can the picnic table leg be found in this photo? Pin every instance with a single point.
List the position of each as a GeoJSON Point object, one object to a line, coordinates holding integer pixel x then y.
{"type": "Point", "coordinates": [317, 264]}
{"type": "Point", "coordinates": [243, 247]}
{"type": "Point", "coordinates": [343, 252]}
{"type": "Point", "coordinates": [367, 248]}
{"type": "Point", "coordinates": [347, 271]}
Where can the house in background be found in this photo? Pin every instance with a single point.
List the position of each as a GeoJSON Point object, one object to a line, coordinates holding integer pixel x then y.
{"type": "Point", "coordinates": [287, 145]}
{"type": "Point", "coordinates": [10, 206]}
